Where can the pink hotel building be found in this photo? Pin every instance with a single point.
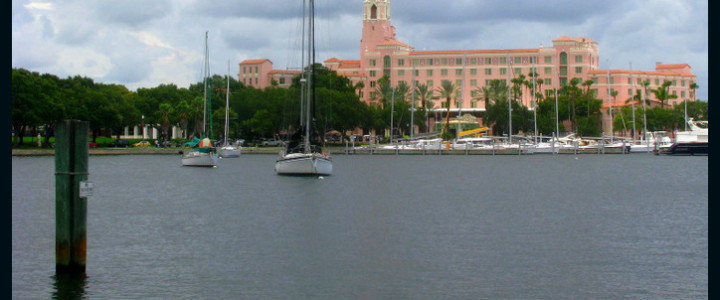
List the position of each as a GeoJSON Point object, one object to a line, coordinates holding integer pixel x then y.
{"type": "Point", "coordinates": [381, 53]}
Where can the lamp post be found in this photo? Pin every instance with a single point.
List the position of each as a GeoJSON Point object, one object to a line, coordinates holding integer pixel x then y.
{"type": "Point", "coordinates": [142, 131]}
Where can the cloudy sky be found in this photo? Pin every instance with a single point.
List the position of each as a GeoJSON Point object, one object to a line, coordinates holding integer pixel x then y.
{"type": "Point", "coordinates": [144, 43]}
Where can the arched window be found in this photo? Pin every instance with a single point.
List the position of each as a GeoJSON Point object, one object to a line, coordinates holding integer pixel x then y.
{"type": "Point", "coordinates": [386, 61]}
{"type": "Point", "coordinates": [563, 58]}
{"type": "Point", "coordinates": [373, 12]}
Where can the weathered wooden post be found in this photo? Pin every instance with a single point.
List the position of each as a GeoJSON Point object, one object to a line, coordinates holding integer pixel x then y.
{"type": "Point", "coordinates": [71, 170]}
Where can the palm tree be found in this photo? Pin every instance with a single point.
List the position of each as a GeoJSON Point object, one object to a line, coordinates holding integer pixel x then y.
{"type": "Point", "coordinates": [662, 93]}
{"type": "Point", "coordinates": [384, 90]}
{"type": "Point", "coordinates": [693, 86]}
{"type": "Point", "coordinates": [614, 94]}
{"type": "Point", "coordinates": [573, 92]}
{"type": "Point", "coordinates": [447, 90]}
{"type": "Point", "coordinates": [587, 84]}
{"type": "Point", "coordinates": [425, 94]}
{"type": "Point", "coordinates": [165, 110]}
{"type": "Point", "coordinates": [183, 111]}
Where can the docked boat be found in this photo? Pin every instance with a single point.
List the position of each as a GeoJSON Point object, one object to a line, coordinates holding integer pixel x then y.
{"type": "Point", "coordinates": [653, 141]}
{"type": "Point", "coordinates": [691, 142]}
{"type": "Point", "coordinates": [304, 154]}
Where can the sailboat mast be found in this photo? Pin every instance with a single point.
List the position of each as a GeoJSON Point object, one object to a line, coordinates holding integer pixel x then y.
{"type": "Point", "coordinates": [311, 61]}
{"type": "Point", "coordinates": [227, 105]}
{"type": "Point", "coordinates": [205, 72]}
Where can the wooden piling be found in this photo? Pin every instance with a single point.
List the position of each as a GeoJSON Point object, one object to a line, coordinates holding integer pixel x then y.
{"type": "Point", "coordinates": [71, 168]}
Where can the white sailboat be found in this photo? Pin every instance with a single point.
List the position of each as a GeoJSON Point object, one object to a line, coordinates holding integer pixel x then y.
{"type": "Point", "coordinates": [303, 155]}
{"type": "Point", "coordinates": [202, 153]}
{"type": "Point", "coordinates": [228, 150]}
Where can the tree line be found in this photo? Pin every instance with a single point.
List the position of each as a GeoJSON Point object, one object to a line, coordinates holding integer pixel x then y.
{"type": "Point", "coordinates": [40, 100]}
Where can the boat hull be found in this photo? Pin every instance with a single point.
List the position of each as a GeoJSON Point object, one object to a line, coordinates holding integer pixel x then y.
{"type": "Point", "coordinates": [304, 164]}
{"type": "Point", "coordinates": [226, 152]}
{"type": "Point", "coordinates": [688, 149]}
{"type": "Point", "coordinates": [199, 159]}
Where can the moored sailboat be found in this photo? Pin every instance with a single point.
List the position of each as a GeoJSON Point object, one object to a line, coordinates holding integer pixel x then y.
{"type": "Point", "coordinates": [304, 154]}
{"type": "Point", "coordinates": [203, 154]}
{"type": "Point", "coordinates": [228, 150]}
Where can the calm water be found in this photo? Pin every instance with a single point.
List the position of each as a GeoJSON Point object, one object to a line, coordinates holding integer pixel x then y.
{"type": "Point", "coordinates": [382, 227]}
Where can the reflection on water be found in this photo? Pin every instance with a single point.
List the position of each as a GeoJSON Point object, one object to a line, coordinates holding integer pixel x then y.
{"type": "Point", "coordinates": [69, 286]}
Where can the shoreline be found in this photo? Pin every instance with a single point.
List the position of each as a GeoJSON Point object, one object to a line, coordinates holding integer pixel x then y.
{"type": "Point", "coordinates": [332, 150]}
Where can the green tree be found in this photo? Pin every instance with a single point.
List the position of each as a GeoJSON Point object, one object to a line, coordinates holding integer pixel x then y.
{"type": "Point", "coordinates": [663, 94]}
{"type": "Point", "coordinates": [447, 90]}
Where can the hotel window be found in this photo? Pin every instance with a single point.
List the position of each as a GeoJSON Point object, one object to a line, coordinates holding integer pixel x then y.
{"type": "Point", "coordinates": [473, 71]}
{"type": "Point", "coordinates": [682, 83]}
{"type": "Point", "coordinates": [444, 61]}
{"type": "Point", "coordinates": [578, 70]}
{"type": "Point", "coordinates": [256, 69]}
{"type": "Point", "coordinates": [373, 73]}
{"type": "Point", "coordinates": [563, 58]}
{"type": "Point", "coordinates": [429, 72]}
{"type": "Point", "coordinates": [563, 71]}
{"type": "Point", "coordinates": [518, 60]}
{"type": "Point", "coordinates": [548, 70]}
{"type": "Point", "coordinates": [473, 61]}
{"type": "Point", "coordinates": [282, 80]}
{"type": "Point", "coordinates": [372, 62]}
{"type": "Point", "coordinates": [563, 81]}
{"type": "Point", "coordinates": [443, 72]}
{"type": "Point", "coordinates": [595, 80]}
{"type": "Point", "coordinates": [657, 81]}
{"type": "Point", "coordinates": [429, 61]}
{"type": "Point", "coordinates": [415, 62]}
{"type": "Point", "coordinates": [458, 61]}
{"type": "Point", "coordinates": [503, 71]}
{"type": "Point", "coordinates": [682, 94]}
{"type": "Point", "coordinates": [503, 60]}
{"type": "Point", "coordinates": [416, 72]}
{"type": "Point", "coordinates": [429, 83]}
{"type": "Point", "coordinates": [459, 83]}
{"type": "Point", "coordinates": [533, 59]}
{"type": "Point", "coordinates": [401, 72]}
{"type": "Point", "coordinates": [372, 84]}
{"type": "Point", "coordinates": [386, 72]}
{"type": "Point", "coordinates": [578, 58]}
{"type": "Point", "coordinates": [487, 82]}
{"type": "Point", "coordinates": [244, 71]}
{"type": "Point", "coordinates": [473, 104]}
{"type": "Point", "coordinates": [612, 80]}
{"type": "Point", "coordinates": [402, 82]}
{"type": "Point", "coordinates": [594, 92]}
{"type": "Point", "coordinates": [474, 94]}
{"type": "Point", "coordinates": [373, 95]}
{"type": "Point", "coordinates": [458, 72]}
{"type": "Point", "coordinates": [401, 62]}
{"type": "Point", "coordinates": [548, 59]}
{"type": "Point", "coordinates": [386, 61]}
{"type": "Point", "coordinates": [488, 61]}
{"type": "Point", "coordinates": [629, 80]}
{"type": "Point", "coordinates": [473, 82]}
{"type": "Point", "coordinates": [548, 81]}
{"type": "Point", "coordinates": [517, 71]}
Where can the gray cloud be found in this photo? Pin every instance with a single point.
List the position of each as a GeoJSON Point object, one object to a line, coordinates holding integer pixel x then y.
{"type": "Point", "coordinates": [637, 31]}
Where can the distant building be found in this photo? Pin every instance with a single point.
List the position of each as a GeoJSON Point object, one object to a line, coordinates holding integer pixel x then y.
{"type": "Point", "coordinates": [569, 57]}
